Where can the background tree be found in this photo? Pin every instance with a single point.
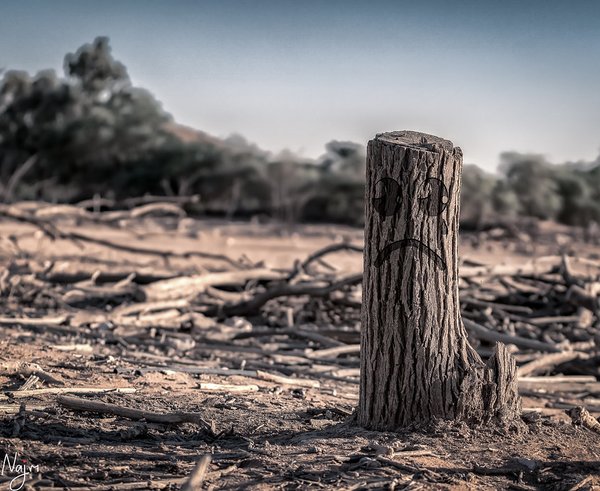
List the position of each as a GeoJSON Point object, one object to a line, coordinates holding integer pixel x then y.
{"type": "Point", "coordinates": [476, 206]}
{"type": "Point", "coordinates": [91, 131]}
{"type": "Point", "coordinates": [339, 190]}
{"type": "Point", "coordinates": [534, 182]}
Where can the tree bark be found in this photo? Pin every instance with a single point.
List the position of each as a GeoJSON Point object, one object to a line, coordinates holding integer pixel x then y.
{"type": "Point", "coordinates": [416, 363]}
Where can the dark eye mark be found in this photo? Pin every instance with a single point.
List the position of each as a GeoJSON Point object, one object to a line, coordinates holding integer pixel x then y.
{"type": "Point", "coordinates": [437, 199]}
{"type": "Point", "coordinates": [388, 202]}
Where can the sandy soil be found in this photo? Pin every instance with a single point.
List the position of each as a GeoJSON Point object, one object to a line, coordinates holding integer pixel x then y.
{"type": "Point", "coordinates": [259, 434]}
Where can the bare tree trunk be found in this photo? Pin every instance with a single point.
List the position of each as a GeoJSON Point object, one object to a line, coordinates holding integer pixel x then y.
{"type": "Point", "coordinates": [17, 176]}
{"type": "Point", "coordinates": [416, 362]}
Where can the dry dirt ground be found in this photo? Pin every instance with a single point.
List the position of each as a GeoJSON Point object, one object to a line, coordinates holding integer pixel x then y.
{"type": "Point", "coordinates": [260, 432]}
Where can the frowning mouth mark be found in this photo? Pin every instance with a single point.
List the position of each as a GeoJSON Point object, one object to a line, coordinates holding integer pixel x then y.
{"type": "Point", "coordinates": [385, 253]}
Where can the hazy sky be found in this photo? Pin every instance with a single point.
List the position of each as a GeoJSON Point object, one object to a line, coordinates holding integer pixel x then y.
{"type": "Point", "coordinates": [491, 76]}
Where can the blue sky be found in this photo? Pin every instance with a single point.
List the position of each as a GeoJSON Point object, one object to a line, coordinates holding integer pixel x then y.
{"type": "Point", "coordinates": [490, 76]}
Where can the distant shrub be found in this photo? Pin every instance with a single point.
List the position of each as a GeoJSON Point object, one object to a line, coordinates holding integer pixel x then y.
{"type": "Point", "coordinates": [92, 132]}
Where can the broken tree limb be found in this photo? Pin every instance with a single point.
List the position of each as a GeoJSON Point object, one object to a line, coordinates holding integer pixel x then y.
{"type": "Point", "coordinates": [228, 387]}
{"type": "Point", "coordinates": [344, 246]}
{"type": "Point", "coordinates": [75, 211]}
{"type": "Point", "coordinates": [47, 228]}
{"type": "Point", "coordinates": [190, 286]}
{"type": "Point", "coordinates": [21, 394]}
{"type": "Point", "coordinates": [280, 379]}
{"type": "Point", "coordinates": [54, 233]}
{"type": "Point", "coordinates": [547, 362]}
{"type": "Point", "coordinates": [34, 321]}
{"type": "Point", "coordinates": [531, 268]}
{"type": "Point", "coordinates": [197, 475]}
{"type": "Point", "coordinates": [334, 352]}
{"type": "Point", "coordinates": [253, 306]}
{"type": "Point", "coordinates": [150, 252]}
{"type": "Point", "coordinates": [489, 335]}
{"type": "Point", "coordinates": [79, 404]}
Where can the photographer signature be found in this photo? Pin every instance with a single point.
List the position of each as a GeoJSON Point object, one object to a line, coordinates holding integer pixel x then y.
{"type": "Point", "coordinates": [18, 469]}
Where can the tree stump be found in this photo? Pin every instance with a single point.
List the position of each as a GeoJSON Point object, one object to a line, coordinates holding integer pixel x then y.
{"type": "Point", "coordinates": [416, 362]}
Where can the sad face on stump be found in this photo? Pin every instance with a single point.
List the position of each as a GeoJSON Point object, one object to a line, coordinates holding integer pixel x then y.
{"type": "Point", "coordinates": [424, 201]}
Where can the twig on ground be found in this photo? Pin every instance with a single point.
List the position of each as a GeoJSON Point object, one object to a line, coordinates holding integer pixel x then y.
{"type": "Point", "coordinates": [227, 387]}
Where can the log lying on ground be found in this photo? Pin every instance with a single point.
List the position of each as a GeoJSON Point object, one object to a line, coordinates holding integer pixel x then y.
{"type": "Point", "coordinates": [190, 286]}
{"type": "Point", "coordinates": [79, 404]}
{"type": "Point", "coordinates": [486, 334]}
{"type": "Point", "coordinates": [531, 268]}
{"type": "Point", "coordinates": [546, 362]}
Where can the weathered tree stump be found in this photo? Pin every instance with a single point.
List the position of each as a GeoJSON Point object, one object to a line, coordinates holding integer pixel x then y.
{"type": "Point", "coordinates": [416, 362]}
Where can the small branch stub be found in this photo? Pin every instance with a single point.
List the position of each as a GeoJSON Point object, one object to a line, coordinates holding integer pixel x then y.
{"type": "Point", "coordinates": [416, 363]}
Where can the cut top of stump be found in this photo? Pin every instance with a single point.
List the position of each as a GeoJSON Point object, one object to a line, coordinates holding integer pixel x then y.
{"type": "Point", "coordinates": [416, 140]}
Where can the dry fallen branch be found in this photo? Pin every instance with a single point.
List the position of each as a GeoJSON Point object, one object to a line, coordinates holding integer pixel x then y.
{"type": "Point", "coordinates": [78, 404]}
{"type": "Point", "coordinates": [353, 349]}
{"type": "Point", "coordinates": [546, 362]}
{"type": "Point", "coordinates": [97, 202]}
{"type": "Point", "coordinates": [75, 211]}
{"type": "Point", "coordinates": [198, 474]}
{"type": "Point", "coordinates": [252, 307]}
{"type": "Point", "coordinates": [34, 321]}
{"type": "Point", "coordinates": [300, 267]}
{"type": "Point", "coordinates": [147, 199]}
{"type": "Point", "coordinates": [531, 268]}
{"type": "Point", "coordinates": [47, 228]}
{"type": "Point", "coordinates": [54, 233]}
{"type": "Point", "coordinates": [486, 334]}
{"type": "Point", "coordinates": [185, 287]}
{"type": "Point", "coordinates": [279, 379]}
{"type": "Point", "coordinates": [580, 297]}
{"type": "Point", "coordinates": [151, 252]}
{"type": "Point", "coordinates": [227, 387]}
{"type": "Point", "coordinates": [22, 394]}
